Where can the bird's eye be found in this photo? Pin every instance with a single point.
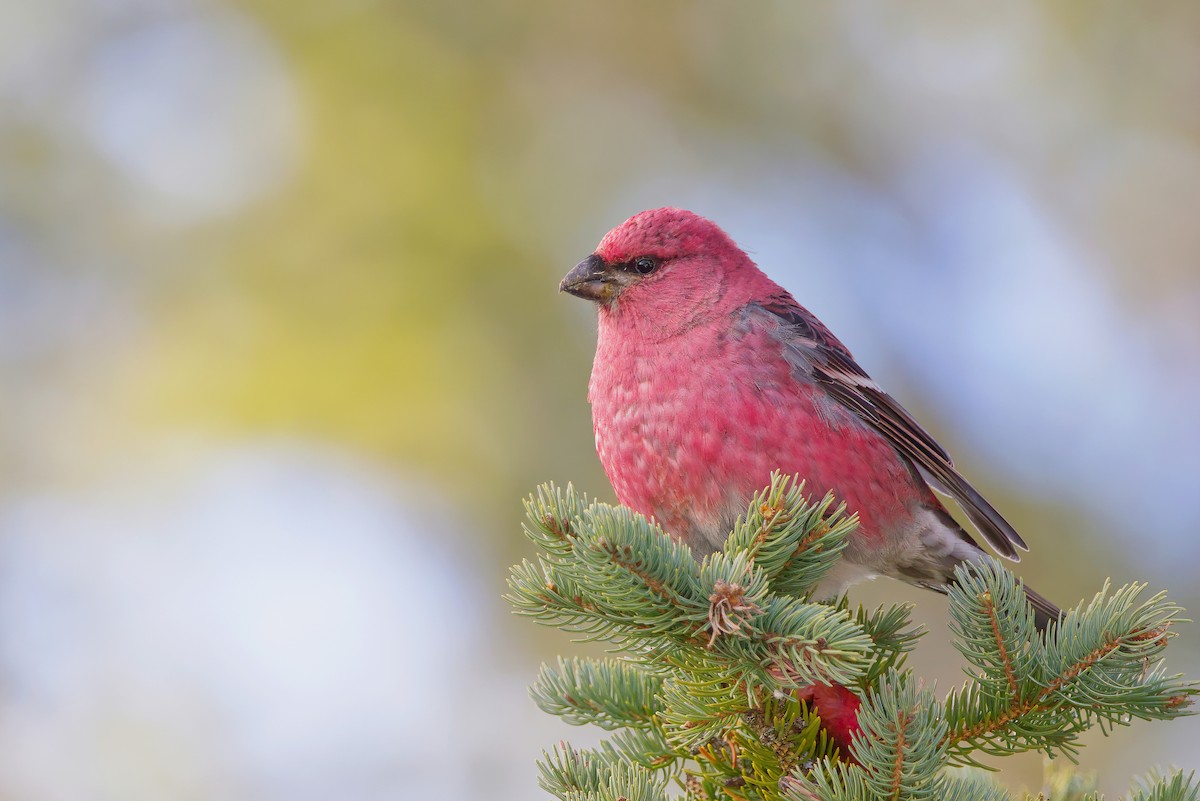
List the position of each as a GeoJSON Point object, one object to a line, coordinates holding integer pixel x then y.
{"type": "Point", "coordinates": [645, 265]}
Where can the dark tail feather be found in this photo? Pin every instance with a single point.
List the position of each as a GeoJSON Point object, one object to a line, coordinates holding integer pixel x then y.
{"type": "Point", "coordinates": [1044, 612]}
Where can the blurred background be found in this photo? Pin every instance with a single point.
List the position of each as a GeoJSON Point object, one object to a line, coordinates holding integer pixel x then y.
{"type": "Point", "coordinates": [281, 348]}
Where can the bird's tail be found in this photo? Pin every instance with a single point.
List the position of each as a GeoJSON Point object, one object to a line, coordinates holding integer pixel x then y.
{"type": "Point", "coordinates": [1044, 612]}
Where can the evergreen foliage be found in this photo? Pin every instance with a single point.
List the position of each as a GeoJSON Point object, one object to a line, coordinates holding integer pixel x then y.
{"type": "Point", "coordinates": [715, 663]}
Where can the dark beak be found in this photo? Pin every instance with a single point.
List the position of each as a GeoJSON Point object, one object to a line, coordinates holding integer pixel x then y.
{"type": "Point", "coordinates": [590, 280]}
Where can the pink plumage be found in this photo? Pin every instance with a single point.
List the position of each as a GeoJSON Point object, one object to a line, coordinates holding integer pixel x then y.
{"type": "Point", "coordinates": [708, 376]}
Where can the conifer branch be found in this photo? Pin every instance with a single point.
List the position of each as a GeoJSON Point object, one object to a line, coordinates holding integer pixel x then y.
{"type": "Point", "coordinates": [734, 685]}
{"type": "Point", "coordinates": [1033, 693]}
{"type": "Point", "coordinates": [794, 542]}
{"type": "Point", "coordinates": [608, 693]}
{"type": "Point", "coordinates": [1175, 787]}
{"type": "Point", "coordinates": [574, 775]}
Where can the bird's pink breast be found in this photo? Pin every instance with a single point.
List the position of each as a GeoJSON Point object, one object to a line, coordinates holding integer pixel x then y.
{"type": "Point", "coordinates": [689, 428]}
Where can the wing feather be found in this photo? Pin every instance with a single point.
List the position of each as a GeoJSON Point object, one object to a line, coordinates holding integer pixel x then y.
{"type": "Point", "coordinates": [830, 364]}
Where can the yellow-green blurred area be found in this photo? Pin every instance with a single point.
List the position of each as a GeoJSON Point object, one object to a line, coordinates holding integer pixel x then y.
{"type": "Point", "coordinates": [281, 348]}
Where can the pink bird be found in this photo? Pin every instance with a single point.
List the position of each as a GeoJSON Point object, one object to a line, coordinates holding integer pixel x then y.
{"type": "Point", "coordinates": [709, 376]}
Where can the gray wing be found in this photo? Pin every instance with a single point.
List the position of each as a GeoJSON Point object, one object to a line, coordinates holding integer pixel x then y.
{"type": "Point", "coordinates": [831, 366]}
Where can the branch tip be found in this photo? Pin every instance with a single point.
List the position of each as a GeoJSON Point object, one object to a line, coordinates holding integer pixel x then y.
{"type": "Point", "coordinates": [728, 610]}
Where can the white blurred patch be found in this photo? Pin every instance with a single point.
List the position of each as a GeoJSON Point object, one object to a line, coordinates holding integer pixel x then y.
{"type": "Point", "coordinates": [962, 51]}
{"type": "Point", "coordinates": [197, 111]}
{"type": "Point", "coordinates": [267, 622]}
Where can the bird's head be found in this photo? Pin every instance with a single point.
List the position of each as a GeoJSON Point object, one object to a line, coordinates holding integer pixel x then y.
{"type": "Point", "coordinates": [663, 262]}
